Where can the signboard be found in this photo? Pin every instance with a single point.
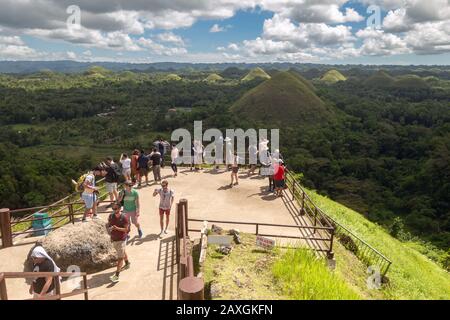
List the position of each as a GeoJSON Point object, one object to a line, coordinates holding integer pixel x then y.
{"type": "Point", "coordinates": [265, 243]}
{"type": "Point", "coordinates": [220, 240]}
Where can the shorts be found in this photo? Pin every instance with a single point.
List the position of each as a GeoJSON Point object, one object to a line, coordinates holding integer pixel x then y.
{"type": "Point", "coordinates": [111, 187]}
{"type": "Point", "coordinates": [88, 200]}
{"type": "Point", "coordinates": [164, 211]}
{"type": "Point", "coordinates": [132, 217]}
{"type": "Point", "coordinates": [235, 169]}
{"type": "Point", "coordinates": [126, 172]}
{"type": "Point", "coordinates": [119, 246]}
{"type": "Point", "coordinates": [279, 183]}
{"type": "Point", "coordinates": [143, 171]}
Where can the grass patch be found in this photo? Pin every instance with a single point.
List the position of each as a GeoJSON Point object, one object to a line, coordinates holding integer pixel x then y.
{"type": "Point", "coordinates": [303, 276]}
{"type": "Point", "coordinates": [412, 275]}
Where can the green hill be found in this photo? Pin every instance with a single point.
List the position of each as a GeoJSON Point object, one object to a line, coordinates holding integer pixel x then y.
{"type": "Point", "coordinates": [172, 77]}
{"type": "Point", "coordinates": [381, 79]}
{"type": "Point", "coordinates": [97, 70]}
{"type": "Point", "coordinates": [284, 98]}
{"type": "Point", "coordinates": [213, 77]}
{"type": "Point", "coordinates": [233, 73]}
{"type": "Point", "coordinates": [410, 81]}
{"type": "Point", "coordinates": [306, 82]}
{"type": "Point", "coordinates": [333, 76]}
{"type": "Point", "coordinates": [256, 73]}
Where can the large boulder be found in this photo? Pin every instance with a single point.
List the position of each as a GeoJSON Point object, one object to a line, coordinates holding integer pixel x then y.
{"type": "Point", "coordinates": [86, 245]}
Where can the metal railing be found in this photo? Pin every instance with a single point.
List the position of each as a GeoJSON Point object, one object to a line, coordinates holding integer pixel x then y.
{"type": "Point", "coordinates": [55, 275]}
{"type": "Point", "coordinates": [325, 237]}
{"type": "Point", "coordinates": [364, 251]}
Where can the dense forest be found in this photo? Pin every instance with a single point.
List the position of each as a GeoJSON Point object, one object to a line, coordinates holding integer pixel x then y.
{"type": "Point", "coordinates": [386, 153]}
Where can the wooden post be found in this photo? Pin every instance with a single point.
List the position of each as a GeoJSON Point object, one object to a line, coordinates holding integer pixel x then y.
{"type": "Point", "coordinates": [257, 229]}
{"type": "Point", "coordinates": [330, 253]}
{"type": "Point", "coordinates": [3, 292]}
{"type": "Point", "coordinates": [85, 287]}
{"type": "Point", "coordinates": [302, 211]}
{"type": "Point", "coordinates": [191, 288]}
{"type": "Point", "coordinates": [71, 216]}
{"type": "Point", "coordinates": [184, 204]}
{"type": "Point", "coordinates": [57, 287]}
{"type": "Point", "coordinates": [5, 226]}
{"type": "Point", "coordinates": [315, 219]}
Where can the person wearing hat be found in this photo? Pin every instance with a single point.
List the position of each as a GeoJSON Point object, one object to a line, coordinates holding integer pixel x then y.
{"type": "Point", "coordinates": [130, 199]}
{"type": "Point", "coordinates": [42, 262]}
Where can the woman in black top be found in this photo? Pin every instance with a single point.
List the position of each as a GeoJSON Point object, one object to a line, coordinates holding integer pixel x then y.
{"type": "Point", "coordinates": [42, 262]}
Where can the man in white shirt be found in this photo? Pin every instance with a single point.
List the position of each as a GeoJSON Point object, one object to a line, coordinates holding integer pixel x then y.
{"type": "Point", "coordinates": [90, 193]}
{"type": "Point", "coordinates": [174, 155]}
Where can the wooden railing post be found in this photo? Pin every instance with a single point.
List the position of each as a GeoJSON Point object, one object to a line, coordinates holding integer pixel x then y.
{"type": "Point", "coordinates": [315, 219]}
{"type": "Point", "coordinates": [5, 226]}
{"type": "Point", "coordinates": [330, 253]}
{"type": "Point", "coordinates": [293, 189]}
{"type": "Point", "coordinates": [303, 203]}
{"type": "Point", "coordinates": [3, 292]}
{"type": "Point", "coordinates": [85, 287]}
{"type": "Point", "coordinates": [71, 215]}
{"type": "Point", "coordinates": [57, 287]}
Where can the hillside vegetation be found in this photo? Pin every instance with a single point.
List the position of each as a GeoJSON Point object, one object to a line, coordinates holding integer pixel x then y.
{"type": "Point", "coordinates": [256, 73]}
{"type": "Point", "coordinates": [412, 275]}
{"type": "Point", "coordinates": [333, 76]}
{"type": "Point", "coordinates": [285, 99]}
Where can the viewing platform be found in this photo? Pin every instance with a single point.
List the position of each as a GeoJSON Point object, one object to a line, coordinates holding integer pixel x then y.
{"type": "Point", "coordinates": [153, 272]}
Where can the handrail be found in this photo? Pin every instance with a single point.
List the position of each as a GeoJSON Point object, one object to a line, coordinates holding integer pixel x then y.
{"type": "Point", "coordinates": [55, 275]}
{"type": "Point", "coordinates": [385, 262]}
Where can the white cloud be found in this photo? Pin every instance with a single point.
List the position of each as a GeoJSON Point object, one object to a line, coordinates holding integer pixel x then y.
{"type": "Point", "coordinates": [170, 37]}
{"type": "Point", "coordinates": [379, 43]}
{"type": "Point", "coordinates": [216, 28]}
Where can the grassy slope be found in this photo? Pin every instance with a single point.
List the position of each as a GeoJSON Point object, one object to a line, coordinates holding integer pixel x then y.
{"type": "Point", "coordinates": [333, 76]}
{"type": "Point", "coordinates": [251, 273]}
{"type": "Point", "coordinates": [282, 98]}
{"type": "Point", "coordinates": [256, 73]}
{"type": "Point", "coordinates": [412, 275]}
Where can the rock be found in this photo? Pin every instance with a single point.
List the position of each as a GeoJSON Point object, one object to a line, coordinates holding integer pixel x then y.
{"type": "Point", "coordinates": [225, 249]}
{"type": "Point", "coordinates": [237, 281]}
{"type": "Point", "coordinates": [216, 229]}
{"type": "Point", "coordinates": [86, 245]}
{"type": "Point", "coordinates": [236, 235]}
{"type": "Point", "coordinates": [215, 290]}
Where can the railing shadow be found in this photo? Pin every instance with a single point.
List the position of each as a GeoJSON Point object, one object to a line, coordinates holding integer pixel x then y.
{"type": "Point", "coordinates": [167, 263]}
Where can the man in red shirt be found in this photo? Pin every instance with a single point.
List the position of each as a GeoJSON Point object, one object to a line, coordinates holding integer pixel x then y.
{"type": "Point", "coordinates": [278, 178]}
{"type": "Point", "coordinates": [118, 227]}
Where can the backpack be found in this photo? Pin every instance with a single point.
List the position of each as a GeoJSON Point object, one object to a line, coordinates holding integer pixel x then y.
{"type": "Point", "coordinates": [121, 219]}
{"type": "Point", "coordinates": [116, 172]}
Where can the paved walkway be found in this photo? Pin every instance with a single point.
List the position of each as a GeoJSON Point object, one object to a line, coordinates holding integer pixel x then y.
{"type": "Point", "coordinates": [153, 272]}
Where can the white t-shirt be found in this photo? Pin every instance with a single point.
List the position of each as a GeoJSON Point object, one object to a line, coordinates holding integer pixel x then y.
{"type": "Point", "coordinates": [126, 163]}
{"type": "Point", "coordinates": [174, 154]}
{"type": "Point", "coordinates": [90, 180]}
{"type": "Point", "coordinates": [166, 198]}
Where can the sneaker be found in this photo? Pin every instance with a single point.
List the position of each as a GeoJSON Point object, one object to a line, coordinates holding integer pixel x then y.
{"type": "Point", "coordinates": [140, 233]}
{"type": "Point", "coordinates": [126, 266]}
{"type": "Point", "coordinates": [161, 234]}
{"type": "Point", "coordinates": [94, 216]}
{"type": "Point", "coordinates": [114, 278]}
{"type": "Point", "coordinates": [165, 231]}
{"type": "Point", "coordinates": [83, 220]}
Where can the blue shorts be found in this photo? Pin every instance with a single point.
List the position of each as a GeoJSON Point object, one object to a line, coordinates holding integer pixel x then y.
{"type": "Point", "coordinates": [88, 200]}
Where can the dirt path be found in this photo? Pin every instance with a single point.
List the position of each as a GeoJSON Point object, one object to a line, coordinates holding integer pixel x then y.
{"type": "Point", "coordinates": [153, 273]}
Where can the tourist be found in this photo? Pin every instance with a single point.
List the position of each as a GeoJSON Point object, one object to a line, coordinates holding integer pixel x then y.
{"type": "Point", "coordinates": [130, 199]}
{"type": "Point", "coordinates": [279, 178]}
{"type": "Point", "coordinates": [90, 193]}
{"type": "Point", "coordinates": [234, 169]}
{"type": "Point", "coordinates": [134, 166]}
{"type": "Point", "coordinates": [112, 179]}
{"type": "Point", "coordinates": [174, 155]}
{"type": "Point", "coordinates": [192, 155]}
{"type": "Point", "coordinates": [126, 166]}
{"type": "Point", "coordinates": [198, 154]}
{"type": "Point", "coordinates": [253, 158]}
{"type": "Point", "coordinates": [228, 152]}
{"type": "Point", "coordinates": [118, 224]}
{"type": "Point", "coordinates": [155, 158]}
{"type": "Point", "coordinates": [142, 164]}
{"type": "Point", "coordinates": [165, 204]}
{"type": "Point", "coordinates": [42, 262]}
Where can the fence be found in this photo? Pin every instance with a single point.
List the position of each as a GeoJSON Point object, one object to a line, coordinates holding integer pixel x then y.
{"type": "Point", "coordinates": [189, 286]}
{"type": "Point", "coordinates": [326, 237]}
{"type": "Point", "coordinates": [61, 212]}
{"type": "Point", "coordinates": [364, 251]}
{"type": "Point", "coordinates": [32, 275]}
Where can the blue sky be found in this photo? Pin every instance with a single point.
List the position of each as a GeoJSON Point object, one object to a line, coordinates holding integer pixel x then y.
{"type": "Point", "coordinates": [411, 31]}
